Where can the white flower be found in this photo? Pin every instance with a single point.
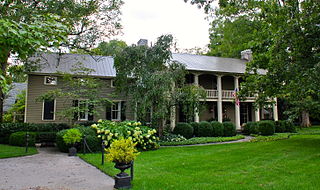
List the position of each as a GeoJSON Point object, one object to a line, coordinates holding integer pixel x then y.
{"type": "Point", "coordinates": [100, 120]}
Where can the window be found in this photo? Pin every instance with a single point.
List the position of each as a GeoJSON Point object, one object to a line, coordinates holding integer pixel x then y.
{"type": "Point", "coordinates": [116, 111]}
{"type": "Point", "coordinates": [113, 83]}
{"type": "Point", "coordinates": [48, 80]}
{"type": "Point", "coordinates": [48, 110]}
{"type": "Point", "coordinates": [84, 110]}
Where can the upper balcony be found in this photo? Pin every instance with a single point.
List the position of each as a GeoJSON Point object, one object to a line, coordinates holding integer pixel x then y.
{"type": "Point", "coordinates": [209, 83]}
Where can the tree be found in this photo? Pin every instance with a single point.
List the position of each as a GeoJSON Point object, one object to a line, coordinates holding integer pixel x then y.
{"type": "Point", "coordinates": [287, 45]}
{"type": "Point", "coordinates": [111, 48]}
{"type": "Point", "coordinates": [17, 108]}
{"type": "Point", "coordinates": [35, 25]}
{"type": "Point", "coordinates": [152, 82]}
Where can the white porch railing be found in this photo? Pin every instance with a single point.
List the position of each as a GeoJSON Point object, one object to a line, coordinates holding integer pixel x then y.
{"type": "Point", "coordinates": [212, 93]}
{"type": "Point", "coordinates": [226, 94]}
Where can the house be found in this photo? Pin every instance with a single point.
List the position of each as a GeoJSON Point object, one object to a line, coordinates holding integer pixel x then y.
{"type": "Point", "coordinates": [220, 77]}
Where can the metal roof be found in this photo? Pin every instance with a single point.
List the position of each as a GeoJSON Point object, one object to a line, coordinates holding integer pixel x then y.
{"type": "Point", "coordinates": [50, 63]}
{"type": "Point", "coordinates": [210, 63]}
{"type": "Point", "coordinates": [103, 66]}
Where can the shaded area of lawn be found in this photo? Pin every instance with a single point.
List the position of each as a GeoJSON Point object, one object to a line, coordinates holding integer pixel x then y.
{"type": "Point", "coordinates": [286, 164]}
{"type": "Point", "coordinates": [7, 151]}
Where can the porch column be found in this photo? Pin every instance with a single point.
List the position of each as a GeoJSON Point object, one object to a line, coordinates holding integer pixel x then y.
{"type": "Point", "coordinates": [237, 104]}
{"type": "Point", "coordinates": [257, 114]}
{"type": "Point", "coordinates": [196, 112]}
{"type": "Point", "coordinates": [275, 110]}
{"type": "Point", "coordinates": [219, 87]}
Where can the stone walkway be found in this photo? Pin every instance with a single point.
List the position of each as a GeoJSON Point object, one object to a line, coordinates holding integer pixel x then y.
{"type": "Point", "coordinates": [51, 170]}
{"type": "Point", "coordinates": [246, 139]}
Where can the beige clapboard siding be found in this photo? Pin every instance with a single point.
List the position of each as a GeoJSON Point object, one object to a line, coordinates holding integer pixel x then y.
{"type": "Point", "coordinates": [36, 87]}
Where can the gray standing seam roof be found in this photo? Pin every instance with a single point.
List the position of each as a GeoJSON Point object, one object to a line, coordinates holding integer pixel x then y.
{"type": "Point", "coordinates": [51, 63]}
{"type": "Point", "coordinates": [103, 66]}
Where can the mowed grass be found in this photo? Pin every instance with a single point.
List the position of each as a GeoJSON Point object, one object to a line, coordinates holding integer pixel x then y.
{"type": "Point", "coordinates": [285, 164]}
{"type": "Point", "coordinates": [7, 151]}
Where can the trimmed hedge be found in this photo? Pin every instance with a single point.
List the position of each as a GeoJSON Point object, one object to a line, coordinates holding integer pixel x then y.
{"type": "Point", "coordinates": [184, 129]}
{"type": "Point", "coordinates": [280, 126]}
{"type": "Point", "coordinates": [92, 140]}
{"type": "Point", "coordinates": [217, 129]}
{"type": "Point", "coordinates": [6, 129]}
{"type": "Point", "coordinates": [46, 137]}
{"type": "Point", "coordinates": [19, 138]}
{"type": "Point", "coordinates": [205, 129]}
{"type": "Point", "coordinates": [195, 126]}
{"type": "Point", "coordinates": [266, 128]}
{"type": "Point", "coordinates": [229, 129]}
{"type": "Point", "coordinates": [290, 128]}
{"type": "Point", "coordinates": [250, 128]}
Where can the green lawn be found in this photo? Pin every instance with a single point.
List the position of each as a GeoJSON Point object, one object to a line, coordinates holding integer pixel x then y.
{"type": "Point", "coordinates": [292, 163]}
{"type": "Point", "coordinates": [7, 151]}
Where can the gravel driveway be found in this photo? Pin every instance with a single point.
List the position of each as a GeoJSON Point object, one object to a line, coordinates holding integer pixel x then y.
{"type": "Point", "coordinates": [51, 170]}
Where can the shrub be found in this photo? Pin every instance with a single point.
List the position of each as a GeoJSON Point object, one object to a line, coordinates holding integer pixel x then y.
{"type": "Point", "coordinates": [72, 136]}
{"type": "Point", "coordinates": [6, 129]}
{"type": "Point", "coordinates": [122, 151]}
{"type": "Point", "coordinates": [183, 129]}
{"type": "Point", "coordinates": [169, 137]}
{"type": "Point", "coordinates": [290, 128]}
{"type": "Point", "coordinates": [280, 126]}
{"type": "Point", "coordinates": [144, 136]}
{"type": "Point", "coordinates": [94, 143]}
{"type": "Point", "coordinates": [46, 137]}
{"type": "Point", "coordinates": [195, 126]}
{"type": "Point", "coordinates": [250, 128]}
{"type": "Point", "coordinates": [266, 127]}
{"type": "Point", "coordinates": [205, 129]}
{"type": "Point", "coordinates": [217, 129]}
{"type": "Point", "coordinates": [19, 138]}
{"type": "Point", "coordinates": [229, 129]}
{"type": "Point", "coordinates": [62, 146]}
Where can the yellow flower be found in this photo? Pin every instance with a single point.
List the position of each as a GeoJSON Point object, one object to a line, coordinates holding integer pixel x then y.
{"type": "Point", "coordinates": [116, 134]}
{"type": "Point", "coordinates": [98, 131]}
{"type": "Point", "coordinates": [129, 132]}
{"type": "Point", "coordinates": [100, 120]}
{"type": "Point", "coordinates": [139, 123]}
{"type": "Point", "coordinates": [137, 128]}
{"type": "Point", "coordinates": [94, 125]}
{"type": "Point", "coordinates": [99, 136]}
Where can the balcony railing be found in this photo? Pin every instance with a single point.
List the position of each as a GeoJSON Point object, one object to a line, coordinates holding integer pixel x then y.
{"type": "Point", "coordinates": [226, 94]}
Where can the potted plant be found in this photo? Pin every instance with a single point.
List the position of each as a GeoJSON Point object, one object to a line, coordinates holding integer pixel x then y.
{"type": "Point", "coordinates": [122, 152]}
{"type": "Point", "coordinates": [71, 137]}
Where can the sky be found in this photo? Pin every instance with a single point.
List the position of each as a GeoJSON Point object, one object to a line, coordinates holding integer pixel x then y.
{"type": "Point", "coordinates": [148, 19]}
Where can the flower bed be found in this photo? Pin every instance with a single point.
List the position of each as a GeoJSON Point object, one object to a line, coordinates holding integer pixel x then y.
{"type": "Point", "coordinates": [144, 136]}
{"type": "Point", "coordinates": [201, 140]}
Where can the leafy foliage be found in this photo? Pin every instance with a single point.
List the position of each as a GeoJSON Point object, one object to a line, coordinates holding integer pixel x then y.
{"type": "Point", "coordinates": [184, 129]}
{"type": "Point", "coordinates": [143, 136]}
{"type": "Point", "coordinates": [72, 136]}
{"type": "Point", "coordinates": [19, 138]}
{"type": "Point", "coordinates": [217, 129]}
{"type": "Point", "coordinates": [153, 82]}
{"type": "Point", "coordinates": [201, 140]}
{"type": "Point", "coordinates": [266, 128]}
{"type": "Point", "coordinates": [205, 129]}
{"type": "Point", "coordinates": [250, 128]}
{"type": "Point", "coordinates": [229, 129]}
{"type": "Point", "coordinates": [122, 151]}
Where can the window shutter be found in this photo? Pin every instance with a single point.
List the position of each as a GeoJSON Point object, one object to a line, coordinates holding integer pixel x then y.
{"type": "Point", "coordinates": [123, 111]}
{"type": "Point", "coordinates": [108, 112]}
{"type": "Point", "coordinates": [90, 112]}
{"type": "Point", "coordinates": [75, 103]}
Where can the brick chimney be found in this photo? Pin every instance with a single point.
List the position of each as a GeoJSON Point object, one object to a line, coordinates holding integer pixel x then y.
{"type": "Point", "coordinates": [246, 54]}
{"type": "Point", "coordinates": [142, 42]}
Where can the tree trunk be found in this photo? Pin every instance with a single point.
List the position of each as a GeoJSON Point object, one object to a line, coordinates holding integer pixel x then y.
{"type": "Point", "coordinates": [4, 55]}
{"type": "Point", "coordinates": [305, 120]}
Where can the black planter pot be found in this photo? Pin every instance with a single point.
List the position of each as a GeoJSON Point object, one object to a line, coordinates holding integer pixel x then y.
{"type": "Point", "coordinates": [72, 151]}
{"type": "Point", "coordinates": [122, 179]}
